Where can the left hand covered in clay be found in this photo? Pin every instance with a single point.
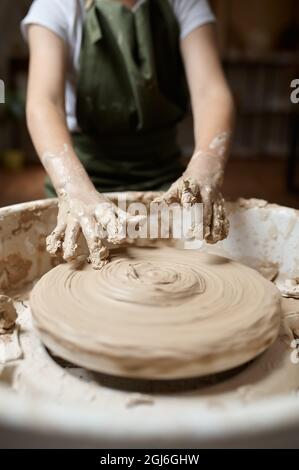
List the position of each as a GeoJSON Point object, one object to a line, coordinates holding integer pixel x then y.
{"type": "Point", "coordinates": [201, 182]}
{"type": "Point", "coordinates": [100, 221]}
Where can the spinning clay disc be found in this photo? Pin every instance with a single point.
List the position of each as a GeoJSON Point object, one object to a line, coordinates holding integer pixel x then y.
{"type": "Point", "coordinates": [157, 313]}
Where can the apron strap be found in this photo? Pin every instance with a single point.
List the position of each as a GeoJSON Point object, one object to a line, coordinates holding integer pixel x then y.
{"type": "Point", "coordinates": [93, 24]}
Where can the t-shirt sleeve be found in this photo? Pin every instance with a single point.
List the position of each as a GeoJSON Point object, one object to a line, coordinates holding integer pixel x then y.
{"type": "Point", "coordinates": [52, 14]}
{"type": "Point", "coordinates": [191, 14]}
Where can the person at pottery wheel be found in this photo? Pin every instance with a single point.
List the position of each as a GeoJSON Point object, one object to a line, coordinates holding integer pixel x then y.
{"type": "Point", "coordinates": [109, 80]}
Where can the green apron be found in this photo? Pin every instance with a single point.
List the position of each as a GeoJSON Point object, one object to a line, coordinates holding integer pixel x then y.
{"type": "Point", "coordinates": [131, 93]}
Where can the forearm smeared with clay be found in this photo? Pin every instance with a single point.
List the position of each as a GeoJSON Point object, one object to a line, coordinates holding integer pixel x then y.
{"type": "Point", "coordinates": [81, 208]}
{"type": "Point", "coordinates": [213, 116]}
{"type": "Point", "coordinates": [206, 170]}
{"type": "Point", "coordinates": [201, 182]}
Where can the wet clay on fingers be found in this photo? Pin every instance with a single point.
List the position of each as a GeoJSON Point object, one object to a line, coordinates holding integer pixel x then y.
{"type": "Point", "coordinates": [157, 313]}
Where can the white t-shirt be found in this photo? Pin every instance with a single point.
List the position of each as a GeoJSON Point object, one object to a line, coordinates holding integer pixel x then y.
{"type": "Point", "coordinates": [65, 18]}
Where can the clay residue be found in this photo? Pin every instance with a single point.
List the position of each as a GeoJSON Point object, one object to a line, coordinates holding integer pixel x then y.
{"type": "Point", "coordinates": [26, 220]}
{"type": "Point", "coordinates": [139, 399]}
{"type": "Point", "coordinates": [268, 270]}
{"type": "Point", "coordinates": [291, 225]}
{"type": "Point", "coordinates": [289, 287]}
{"type": "Point", "coordinates": [220, 144]}
{"type": "Point", "coordinates": [157, 313]}
{"type": "Point", "coordinates": [14, 269]}
{"type": "Point", "coordinates": [290, 317]}
{"type": "Point", "coordinates": [252, 203]}
{"type": "Point", "coordinates": [145, 197]}
{"type": "Point", "coordinates": [8, 315]}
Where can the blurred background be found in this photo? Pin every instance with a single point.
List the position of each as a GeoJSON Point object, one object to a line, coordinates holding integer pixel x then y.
{"type": "Point", "coordinates": [259, 41]}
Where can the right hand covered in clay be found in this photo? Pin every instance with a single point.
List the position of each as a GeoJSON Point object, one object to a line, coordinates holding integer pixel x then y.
{"type": "Point", "coordinates": [98, 218]}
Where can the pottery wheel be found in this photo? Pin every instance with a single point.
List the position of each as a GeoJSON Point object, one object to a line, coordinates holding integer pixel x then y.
{"type": "Point", "coordinates": [157, 313]}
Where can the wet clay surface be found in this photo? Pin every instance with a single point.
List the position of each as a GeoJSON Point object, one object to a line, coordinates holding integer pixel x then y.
{"type": "Point", "coordinates": [158, 313]}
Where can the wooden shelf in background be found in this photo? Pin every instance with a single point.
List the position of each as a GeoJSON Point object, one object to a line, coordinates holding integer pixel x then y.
{"type": "Point", "coordinates": [272, 58]}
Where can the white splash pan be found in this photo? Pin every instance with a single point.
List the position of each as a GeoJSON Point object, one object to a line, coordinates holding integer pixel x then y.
{"type": "Point", "coordinates": [42, 405]}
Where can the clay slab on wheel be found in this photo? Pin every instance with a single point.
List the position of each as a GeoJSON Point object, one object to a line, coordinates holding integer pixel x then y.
{"type": "Point", "coordinates": [157, 313]}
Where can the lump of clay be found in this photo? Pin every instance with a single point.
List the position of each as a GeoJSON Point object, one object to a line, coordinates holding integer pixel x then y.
{"type": "Point", "coordinates": [289, 287]}
{"type": "Point", "coordinates": [268, 270]}
{"type": "Point", "coordinates": [8, 314]}
{"type": "Point", "coordinates": [290, 319]}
